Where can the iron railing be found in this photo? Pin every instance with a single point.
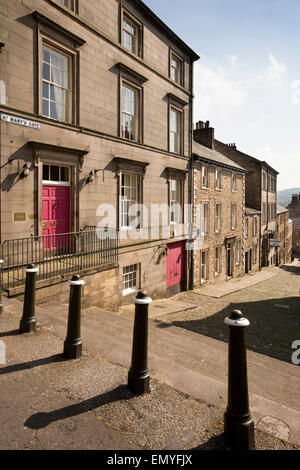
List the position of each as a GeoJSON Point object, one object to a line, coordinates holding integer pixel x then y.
{"type": "Point", "coordinates": [57, 254]}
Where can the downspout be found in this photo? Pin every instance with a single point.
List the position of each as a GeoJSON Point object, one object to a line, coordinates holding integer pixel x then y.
{"type": "Point", "coordinates": [191, 178]}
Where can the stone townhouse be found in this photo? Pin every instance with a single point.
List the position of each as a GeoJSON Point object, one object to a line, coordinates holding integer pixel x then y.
{"type": "Point", "coordinates": [296, 236]}
{"type": "Point", "coordinates": [294, 206]}
{"type": "Point", "coordinates": [252, 227]}
{"type": "Point", "coordinates": [260, 194]}
{"type": "Point", "coordinates": [284, 235]}
{"type": "Point", "coordinates": [218, 188]}
{"type": "Point", "coordinates": [96, 118]}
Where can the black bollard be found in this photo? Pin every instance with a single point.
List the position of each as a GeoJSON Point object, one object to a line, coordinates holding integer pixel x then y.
{"type": "Point", "coordinates": [238, 423]}
{"type": "Point", "coordinates": [28, 323]}
{"type": "Point", "coordinates": [138, 375]}
{"type": "Point", "coordinates": [1, 306]}
{"type": "Point", "coordinates": [73, 343]}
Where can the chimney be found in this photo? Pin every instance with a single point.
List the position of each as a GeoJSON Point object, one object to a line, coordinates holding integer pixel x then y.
{"type": "Point", "coordinates": [295, 197]}
{"type": "Point", "coordinates": [204, 135]}
{"type": "Point", "coordinates": [231, 146]}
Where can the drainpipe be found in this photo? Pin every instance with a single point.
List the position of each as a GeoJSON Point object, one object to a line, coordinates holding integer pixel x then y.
{"type": "Point", "coordinates": [191, 176]}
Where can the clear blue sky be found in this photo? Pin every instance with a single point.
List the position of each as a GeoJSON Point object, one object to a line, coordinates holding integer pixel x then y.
{"type": "Point", "coordinates": [247, 81]}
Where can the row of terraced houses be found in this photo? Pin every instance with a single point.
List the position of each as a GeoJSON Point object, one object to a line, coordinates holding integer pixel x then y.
{"type": "Point", "coordinates": [103, 172]}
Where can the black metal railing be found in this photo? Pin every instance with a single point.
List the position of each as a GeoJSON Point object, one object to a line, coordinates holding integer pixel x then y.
{"type": "Point", "coordinates": [57, 254]}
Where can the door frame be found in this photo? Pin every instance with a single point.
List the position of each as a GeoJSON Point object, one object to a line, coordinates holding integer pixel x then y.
{"type": "Point", "coordinates": [73, 165]}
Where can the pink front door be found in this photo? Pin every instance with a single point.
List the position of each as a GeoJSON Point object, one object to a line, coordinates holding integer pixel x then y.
{"type": "Point", "coordinates": [56, 212]}
{"type": "Point", "coordinates": [175, 263]}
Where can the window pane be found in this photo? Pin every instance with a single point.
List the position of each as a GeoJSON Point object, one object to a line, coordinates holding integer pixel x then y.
{"type": "Point", "coordinates": [45, 90]}
{"type": "Point", "coordinates": [64, 173]}
{"type": "Point", "coordinates": [46, 54]}
{"type": "Point", "coordinates": [46, 71]}
{"type": "Point", "coordinates": [45, 110]}
{"type": "Point", "coordinates": [54, 173]}
{"type": "Point", "coordinates": [45, 172]}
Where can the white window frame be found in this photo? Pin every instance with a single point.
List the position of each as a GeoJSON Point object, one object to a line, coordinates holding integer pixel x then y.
{"type": "Point", "coordinates": [204, 266]}
{"type": "Point", "coordinates": [177, 70]}
{"type": "Point", "coordinates": [59, 182]}
{"type": "Point", "coordinates": [218, 217]}
{"type": "Point", "coordinates": [136, 116]}
{"type": "Point", "coordinates": [129, 277]}
{"type": "Point", "coordinates": [178, 133]}
{"type": "Point", "coordinates": [218, 179]}
{"type": "Point", "coordinates": [246, 227]}
{"type": "Point", "coordinates": [175, 205]}
{"type": "Point", "coordinates": [130, 187]}
{"type": "Point", "coordinates": [233, 182]}
{"type": "Point", "coordinates": [204, 178]}
{"type": "Point", "coordinates": [137, 37]}
{"type": "Point", "coordinates": [204, 217]}
{"type": "Point", "coordinates": [218, 253]}
{"type": "Point", "coordinates": [238, 244]}
{"type": "Point", "coordinates": [234, 216]}
{"type": "Point", "coordinates": [69, 105]}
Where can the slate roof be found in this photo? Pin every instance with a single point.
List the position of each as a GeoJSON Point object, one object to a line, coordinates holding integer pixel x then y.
{"type": "Point", "coordinates": [201, 153]}
{"type": "Point", "coordinates": [281, 209]}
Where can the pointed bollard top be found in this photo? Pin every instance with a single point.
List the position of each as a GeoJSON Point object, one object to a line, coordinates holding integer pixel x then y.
{"type": "Point", "coordinates": [142, 298]}
{"type": "Point", "coordinates": [236, 318]}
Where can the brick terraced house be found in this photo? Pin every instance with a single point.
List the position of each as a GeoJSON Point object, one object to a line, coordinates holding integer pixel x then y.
{"type": "Point", "coordinates": [96, 119]}
{"type": "Point", "coordinates": [218, 188]}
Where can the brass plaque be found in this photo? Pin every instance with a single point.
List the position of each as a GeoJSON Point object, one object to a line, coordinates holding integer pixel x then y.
{"type": "Point", "coordinates": [19, 216]}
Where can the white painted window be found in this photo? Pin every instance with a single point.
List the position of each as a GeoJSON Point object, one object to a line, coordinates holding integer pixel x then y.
{"type": "Point", "coordinates": [238, 244]}
{"type": "Point", "coordinates": [217, 260]}
{"type": "Point", "coordinates": [204, 218]}
{"type": "Point", "coordinates": [233, 182]}
{"type": "Point", "coordinates": [218, 178]}
{"type": "Point", "coordinates": [175, 130]}
{"type": "Point", "coordinates": [130, 278]}
{"type": "Point", "coordinates": [56, 84]}
{"type": "Point", "coordinates": [204, 266]}
{"type": "Point", "coordinates": [176, 66]}
{"type": "Point", "coordinates": [129, 197]}
{"type": "Point", "coordinates": [176, 213]}
{"type": "Point", "coordinates": [233, 216]}
{"type": "Point", "coordinates": [218, 210]}
{"type": "Point", "coordinates": [204, 176]}
{"type": "Point", "coordinates": [129, 112]}
{"type": "Point", "coordinates": [246, 227]}
{"type": "Point", "coordinates": [56, 174]}
{"type": "Point", "coordinates": [130, 34]}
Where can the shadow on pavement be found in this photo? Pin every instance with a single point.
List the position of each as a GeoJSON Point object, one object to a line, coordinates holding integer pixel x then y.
{"type": "Point", "coordinates": [274, 325]}
{"type": "Point", "coordinates": [214, 443]}
{"type": "Point", "coordinates": [10, 333]}
{"type": "Point", "coordinates": [41, 420]}
{"type": "Point", "coordinates": [31, 364]}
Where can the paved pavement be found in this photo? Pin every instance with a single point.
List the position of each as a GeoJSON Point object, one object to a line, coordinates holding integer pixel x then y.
{"type": "Point", "coordinates": [64, 399]}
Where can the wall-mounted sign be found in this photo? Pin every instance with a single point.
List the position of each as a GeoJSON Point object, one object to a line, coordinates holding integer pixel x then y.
{"type": "Point", "coordinates": [274, 242]}
{"type": "Point", "coordinates": [20, 121]}
{"type": "Point", "coordinates": [19, 216]}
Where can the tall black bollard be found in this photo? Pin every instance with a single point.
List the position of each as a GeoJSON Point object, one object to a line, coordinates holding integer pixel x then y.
{"type": "Point", "coordinates": [73, 343]}
{"type": "Point", "coordinates": [238, 423]}
{"type": "Point", "coordinates": [28, 323]}
{"type": "Point", "coordinates": [1, 306]}
{"type": "Point", "coordinates": [138, 375]}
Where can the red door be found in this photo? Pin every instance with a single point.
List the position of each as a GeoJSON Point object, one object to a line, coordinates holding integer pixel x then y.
{"type": "Point", "coordinates": [56, 214]}
{"type": "Point", "coordinates": [175, 264]}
